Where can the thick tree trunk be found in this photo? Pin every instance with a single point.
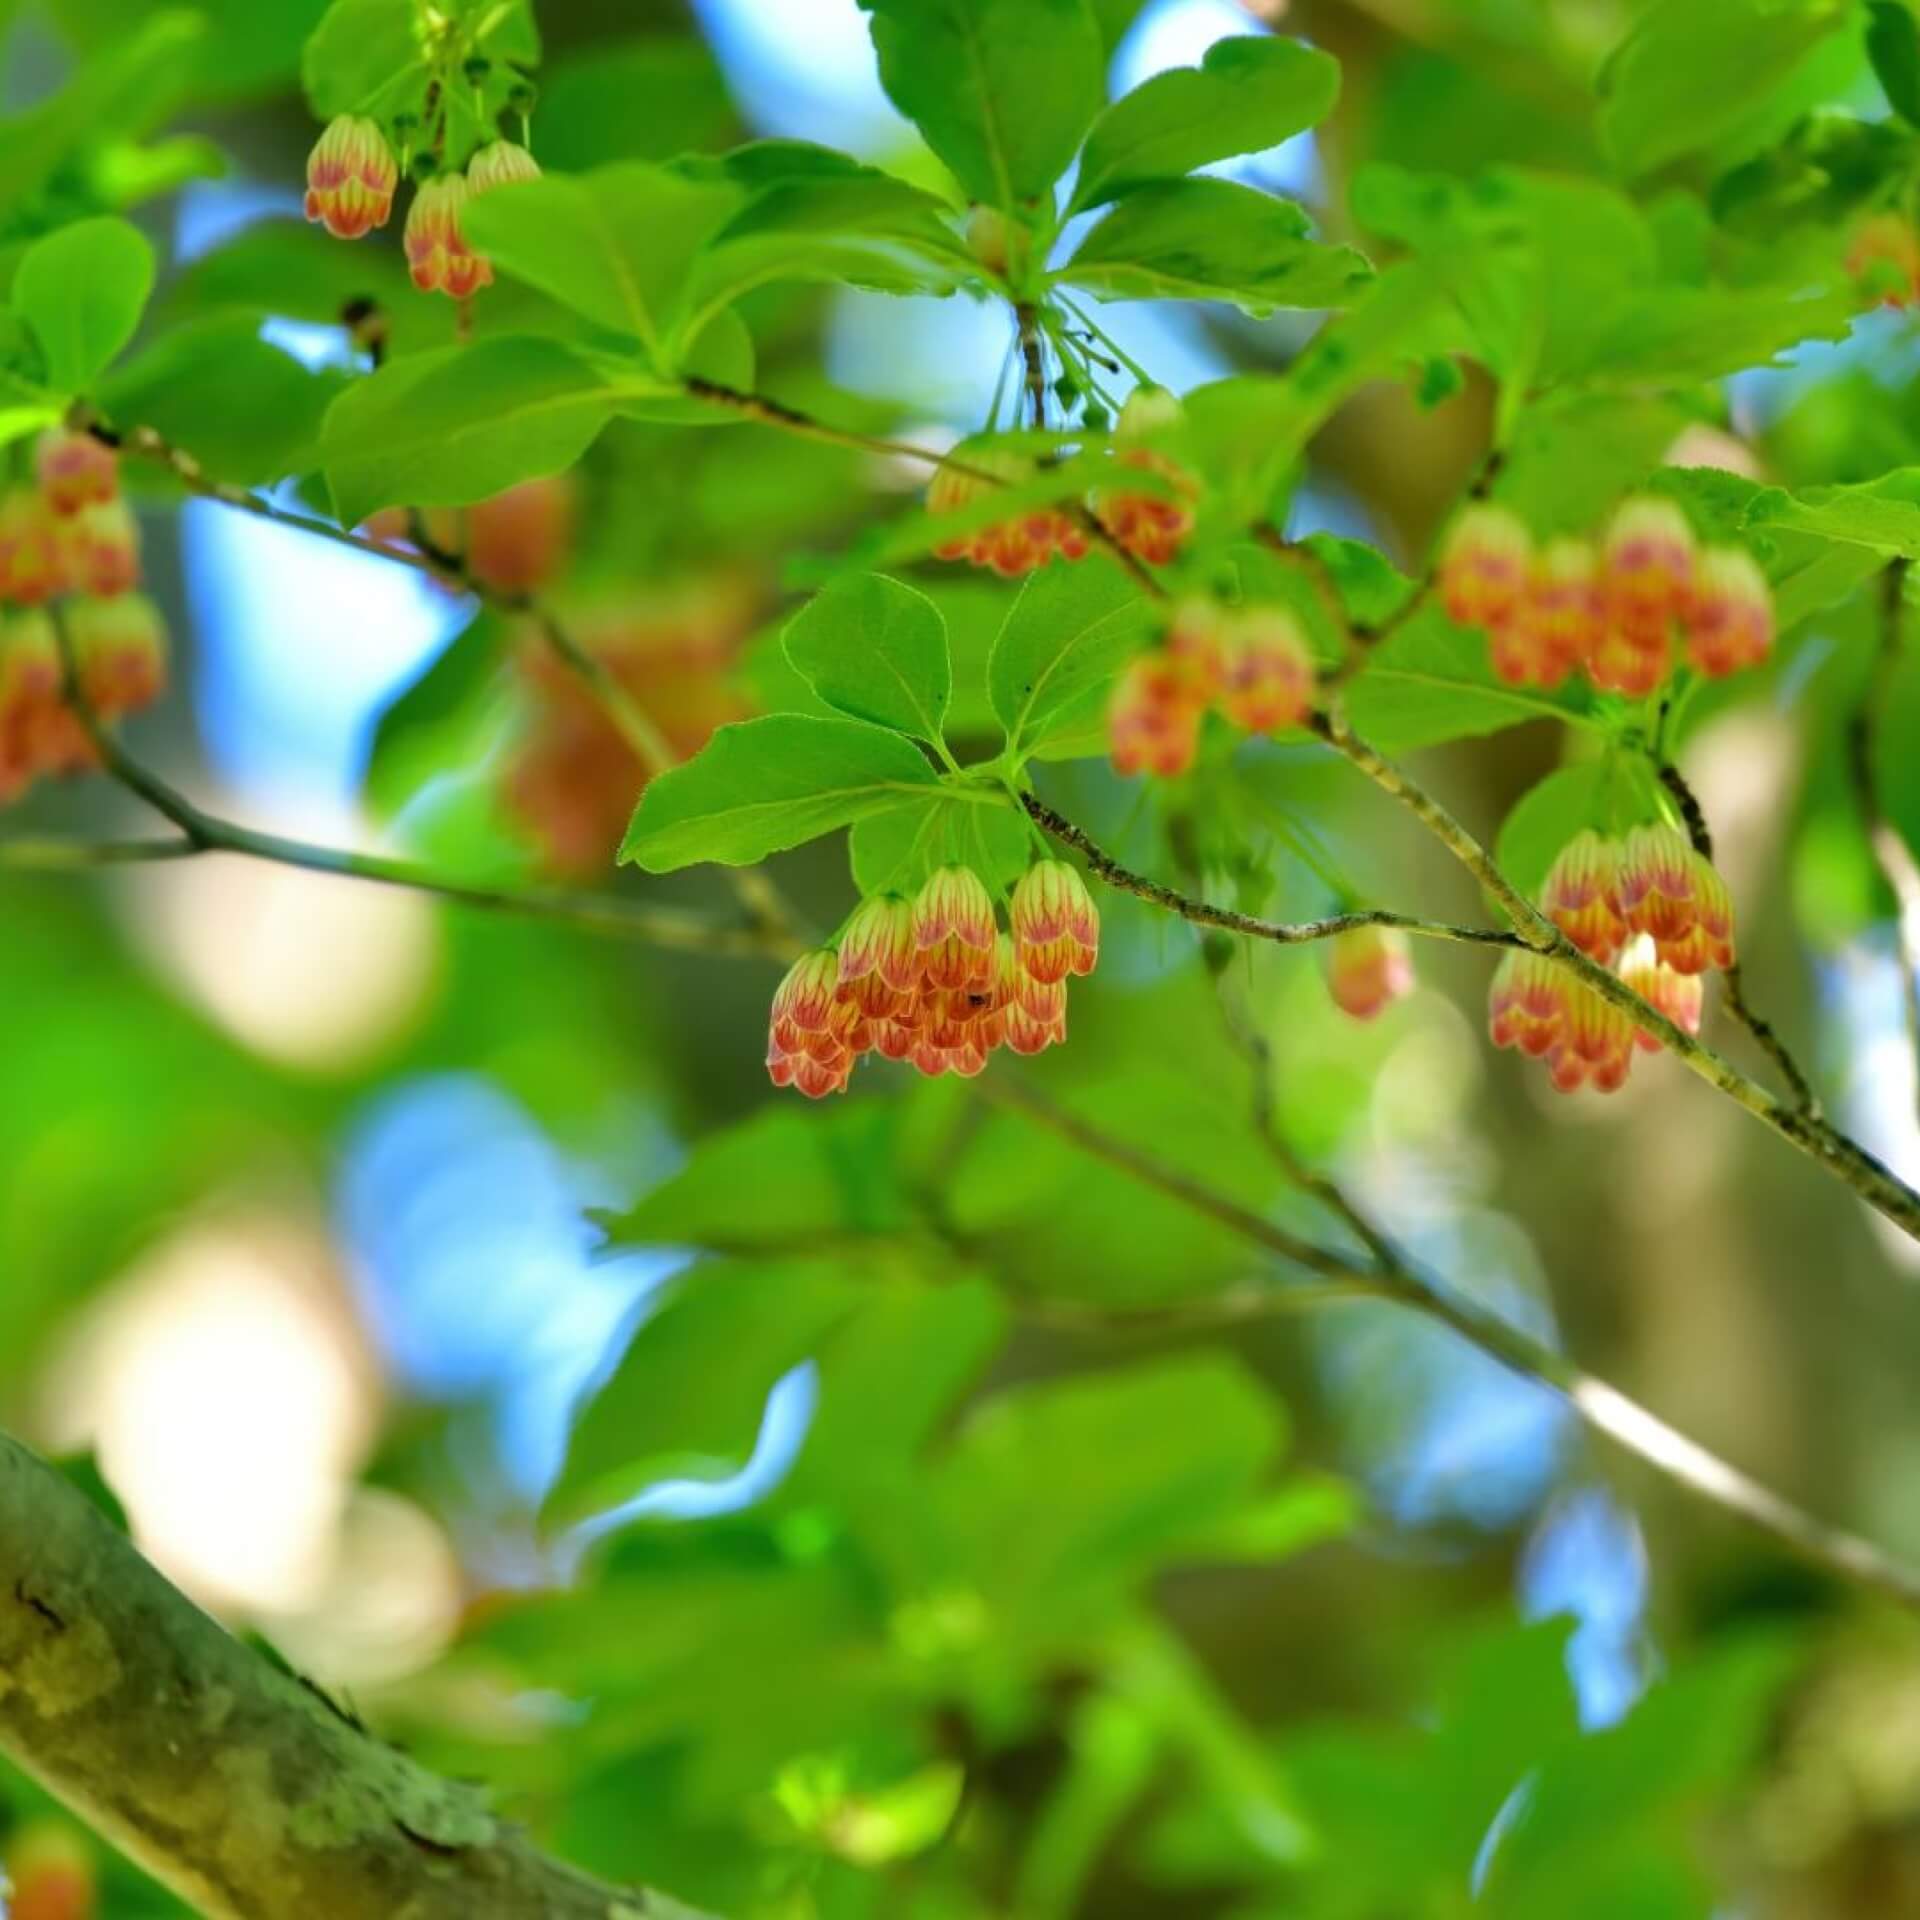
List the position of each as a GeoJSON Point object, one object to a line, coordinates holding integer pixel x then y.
{"type": "Point", "coordinates": [228, 1780]}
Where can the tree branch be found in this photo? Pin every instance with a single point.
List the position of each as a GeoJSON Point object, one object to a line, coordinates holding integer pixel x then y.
{"type": "Point", "coordinates": [1890, 850]}
{"type": "Point", "coordinates": [202, 832]}
{"type": "Point", "coordinates": [81, 856]}
{"type": "Point", "coordinates": [634, 724]}
{"type": "Point", "coordinates": [1033, 356]}
{"type": "Point", "coordinates": [229, 1781]}
{"type": "Point", "coordinates": [1841, 1156]}
{"type": "Point", "coordinates": [1732, 981]}
{"type": "Point", "coordinates": [1398, 1282]}
{"type": "Point", "coordinates": [1203, 913]}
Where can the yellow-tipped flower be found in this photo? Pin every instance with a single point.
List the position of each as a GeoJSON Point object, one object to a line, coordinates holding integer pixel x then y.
{"type": "Point", "coordinates": [438, 255]}
{"type": "Point", "coordinates": [351, 176]}
{"type": "Point", "coordinates": [1368, 969]}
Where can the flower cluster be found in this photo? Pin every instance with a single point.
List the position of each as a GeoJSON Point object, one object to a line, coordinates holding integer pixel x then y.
{"type": "Point", "coordinates": [1152, 526]}
{"type": "Point", "coordinates": [68, 533]}
{"type": "Point", "coordinates": [1610, 610]}
{"type": "Point", "coordinates": [976, 468]}
{"type": "Point", "coordinates": [352, 175]}
{"type": "Point", "coordinates": [1151, 523]}
{"type": "Point", "coordinates": [571, 777]}
{"type": "Point", "coordinates": [936, 980]}
{"type": "Point", "coordinates": [1649, 907]}
{"type": "Point", "coordinates": [1252, 663]}
{"type": "Point", "coordinates": [1368, 969]}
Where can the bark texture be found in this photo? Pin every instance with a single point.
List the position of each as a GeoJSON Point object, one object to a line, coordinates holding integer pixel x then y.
{"type": "Point", "coordinates": [226, 1779]}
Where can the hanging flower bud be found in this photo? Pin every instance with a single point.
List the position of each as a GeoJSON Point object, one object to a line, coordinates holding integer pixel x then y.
{"type": "Point", "coordinates": [954, 904]}
{"type": "Point", "coordinates": [351, 175]}
{"type": "Point", "coordinates": [52, 1873]}
{"type": "Point", "coordinates": [1709, 941]}
{"type": "Point", "coordinates": [1579, 896]}
{"type": "Point", "coordinates": [1056, 926]}
{"type": "Point", "coordinates": [1595, 1047]}
{"type": "Point", "coordinates": [75, 470]}
{"type": "Point", "coordinates": [1051, 902]}
{"type": "Point", "coordinates": [1676, 897]}
{"type": "Point", "coordinates": [895, 1039]}
{"type": "Point", "coordinates": [803, 1001]}
{"type": "Point", "coordinates": [1269, 682]}
{"type": "Point", "coordinates": [438, 255]}
{"type": "Point", "coordinates": [1630, 660]}
{"type": "Point", "coordinates": [879, 943]}
{"type": "Point", "coordinates": [1027, 1034]}
{"type": "Point", "coordinates": [990, 237]}
{"type": "Point", "coordinates": [1153, 719]}
{"type": "Point", "coordinates": [1647, 566]}
{"type": "Point", "coordinates": [99, 549]}
{"type": "Point", "coordinates": [1194, 645]}
{"type": "Point", "coordinates": [1150, 526]}
{"type": "Point", "coordinates": [817, 1077]}
{"type": "Point", "coordinates": [972, 471]}
{"type": "Point", "coordinates": [1484, 566]}
{"type": "Point", "coordinates": [29, 699]}
{"type": "Point", "coordinates": [1558, 622]}
{"type": "Point", "coordinates": [29, 558]}
{"type": "Point", "coordinates": [1730, 614]}
{"type": "Point", "coordinates": [500, 164]}
{"type": "Point", "coordinates": [120, 650]}
{"type": "Point", "coordinates": [954, 930]}
{"type": "Point", "coordinates": [1368, 969]}
{"type": "Point", "coordinates": [1526, 1005]}
{"type": "Point", "coordinates": [1680, 996]}
{"type": "Point", "coordinates": [1655, 883]}
{"type": "Point", "coordinates": [43, 731]}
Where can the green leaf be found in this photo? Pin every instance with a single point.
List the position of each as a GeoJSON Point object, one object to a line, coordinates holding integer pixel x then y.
{"type": "Point", "coordinates": [82, 291]}
{"type": "Point", "coordinates": [766, 784]}
{"type": "Point", "coordinates": [1690, 1738]}
{"type": "Point", "coordinates": [418, 734]}
{"type": "Point", "coordinates": [1681, 336]}
{"type": "Point", "coordinates": [889, 1377]}
{"type": "Point", "coordinates": [25, 407]}
{"type": "Point", "coordinates": [818, 215]}
{"type": "Point", "coordinates": [1893, 46]}
{"type": "Point", "coordinates": [1002, 90]}
{"type": "Point", "coordinates": [250, 413]}
{"type": "Point", "coordinates": [1546, 817]}
{"type": "Point", "coordinates": [618, 244]}
{"type": "Point", "coordinates": [1250, 93]}
{"type": "Point", "coordinates": [1432, 681]}
{"type": "Point", "coordinates": [643, 99]}
{"type": "Point", "coordinates": [689, 1393]}
{"type": "Point", "coordinates": [877, 650]}
{"type": "Point", "coordinates": [787, 1177]}
{"type": "Point", "coordinates": [460, 424]}
{"type": "Point", "coordinates": [246, 48]}
{"type": "Point", "coordinates": [1692, 70]}
{"type": "Point", "coordinates": [363, 58]}
{"type": "Point", "coordinates": [894, 852]}
{"type": "Point", "coordinates": [1248, 429]}
{"type": "Point", "coordinates": [1071, 630]}
{"type": "Point", "coordinates": [1207, 239]}
{"type": "Point", "coordinates": [1883, 514]}
{"type": "Point", "coordinates": [1140, 1462]}
{"type": "Point", "coordinates": [128, 88]}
